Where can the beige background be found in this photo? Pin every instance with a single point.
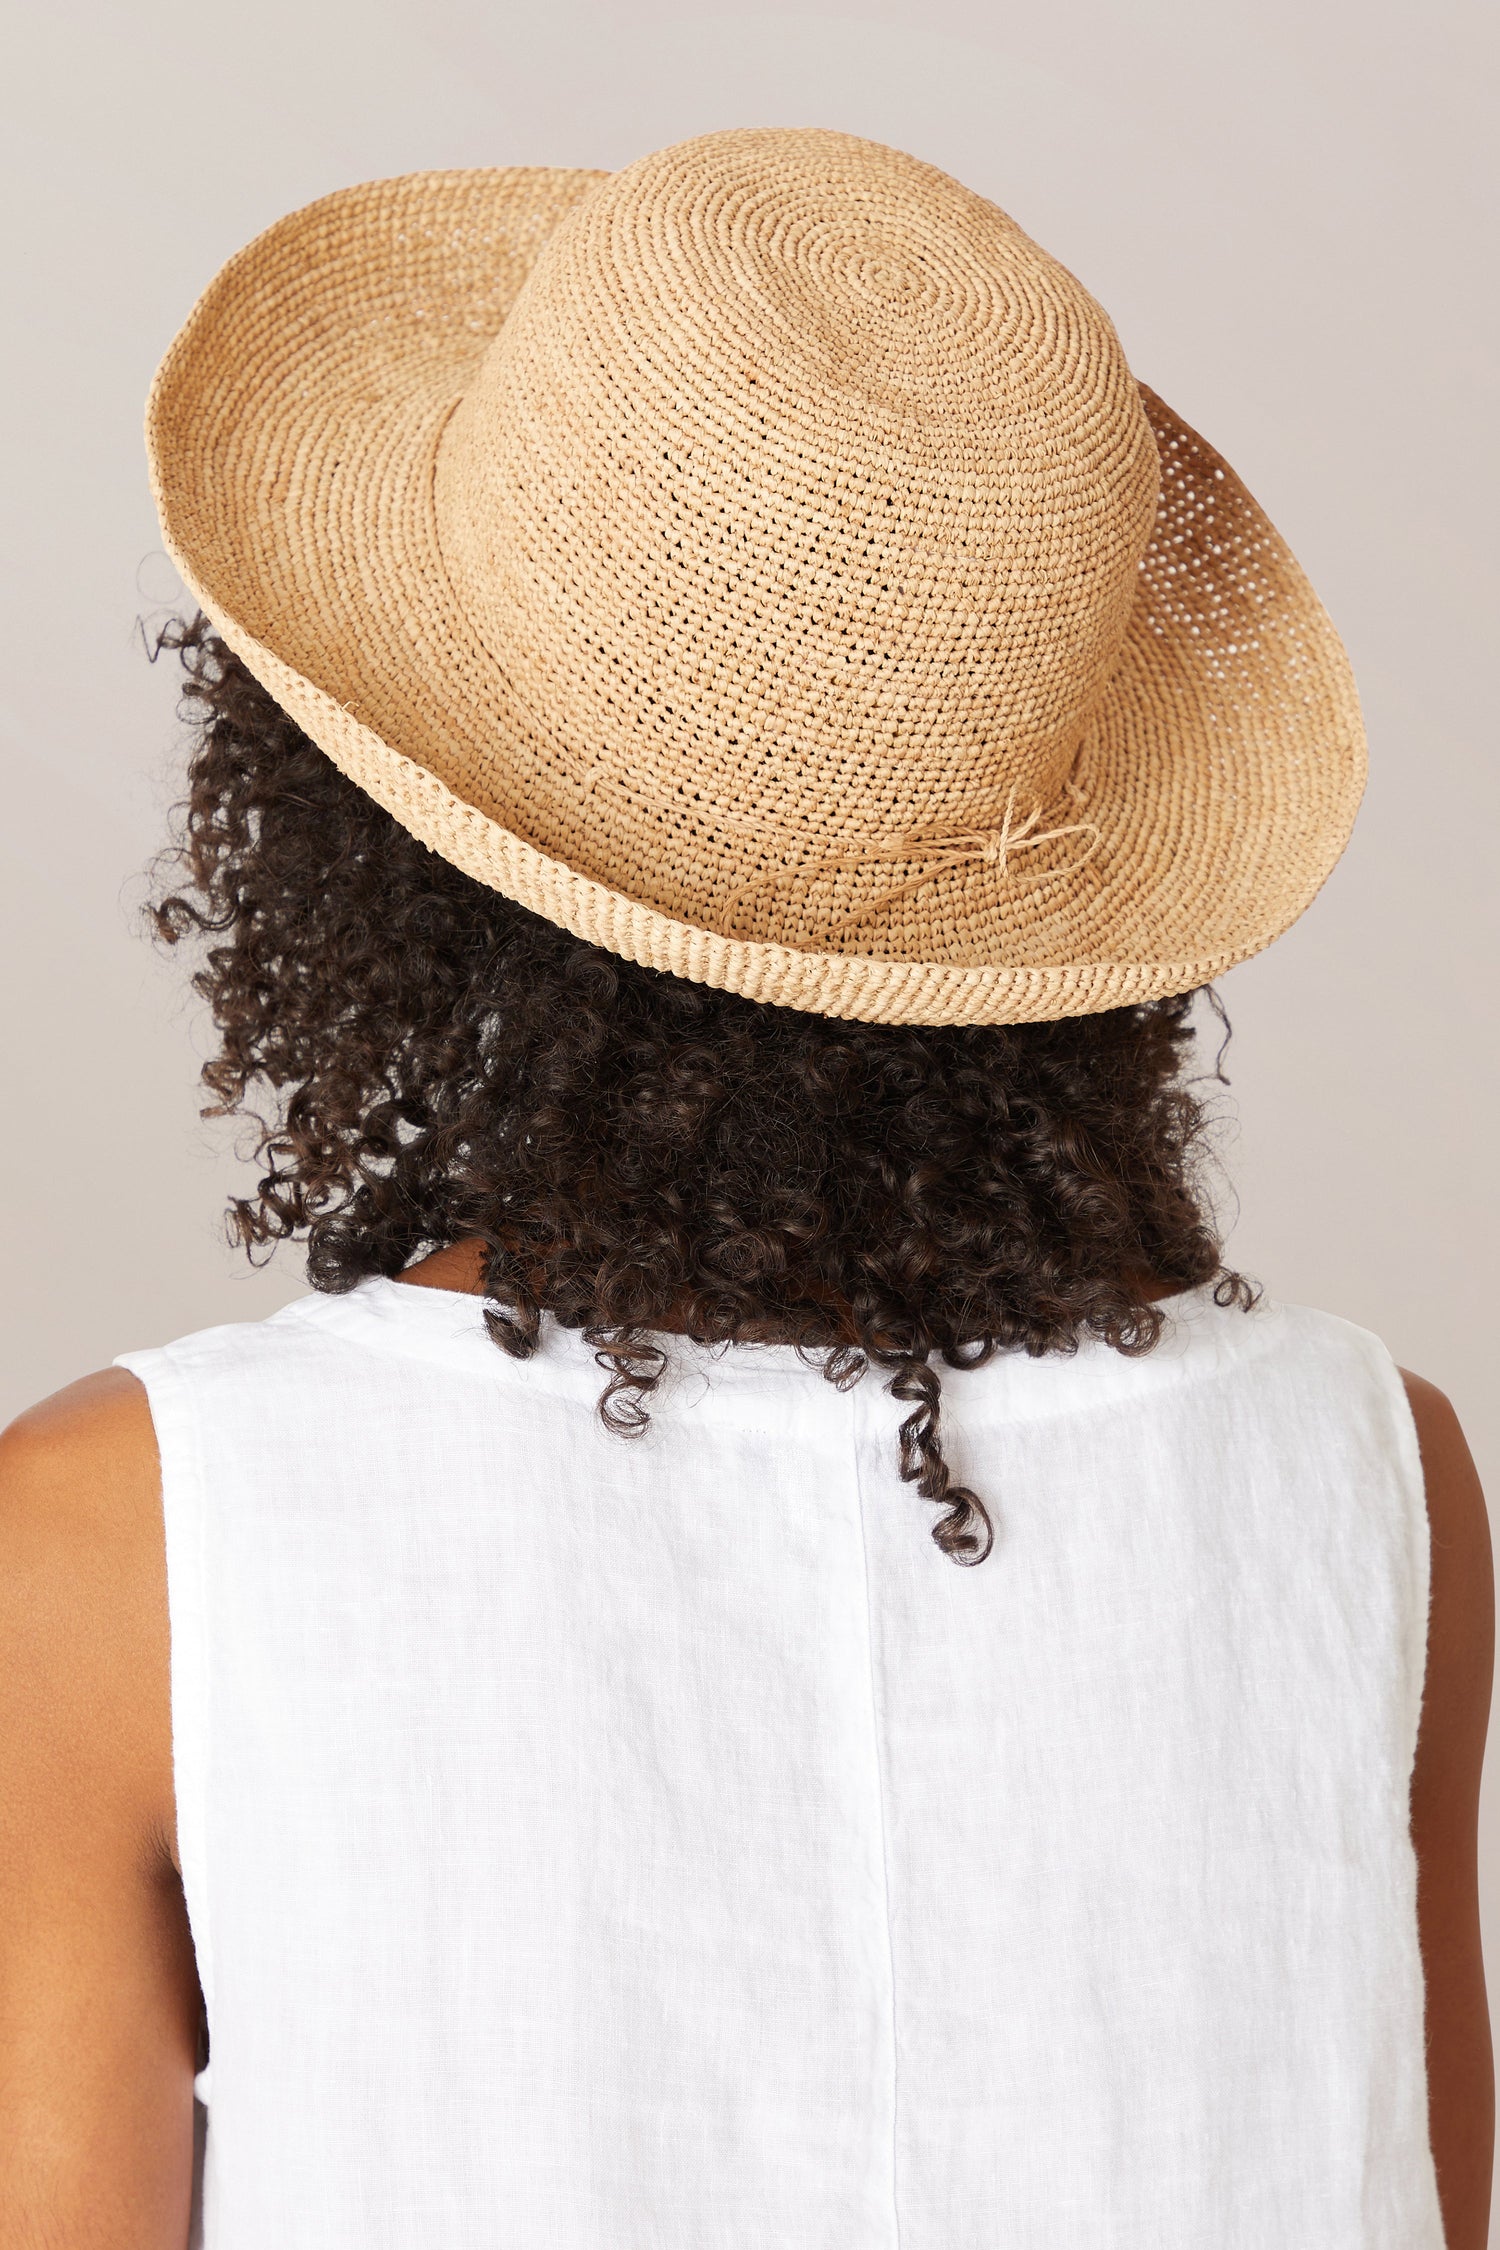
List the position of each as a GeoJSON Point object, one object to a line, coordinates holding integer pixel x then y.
{"type": "Point", "coordinates": [1286, 204]}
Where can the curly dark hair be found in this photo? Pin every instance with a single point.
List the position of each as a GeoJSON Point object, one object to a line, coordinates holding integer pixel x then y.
{"type": "Point", "coordinates": [636, 1153]}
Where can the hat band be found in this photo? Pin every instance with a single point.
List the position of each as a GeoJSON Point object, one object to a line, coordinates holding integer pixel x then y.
{"type": "Point", "coordinates": [941, 848]}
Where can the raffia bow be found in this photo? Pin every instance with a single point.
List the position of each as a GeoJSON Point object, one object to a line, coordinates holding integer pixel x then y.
{"type": "Point", "coordinates": [941, 848]}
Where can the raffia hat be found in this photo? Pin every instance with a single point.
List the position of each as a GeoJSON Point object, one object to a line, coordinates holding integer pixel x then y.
{"type": "Point", "coordinates": [762, 562]}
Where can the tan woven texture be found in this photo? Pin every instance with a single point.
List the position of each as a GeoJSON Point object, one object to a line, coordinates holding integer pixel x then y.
{"type": "Point", "coordinates": [762, 562]}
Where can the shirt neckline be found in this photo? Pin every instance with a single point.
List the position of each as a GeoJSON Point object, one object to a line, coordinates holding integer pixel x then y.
{"type": "Point", "coordinates": [448, 1322]}
{"type": "Point", "coordinates": [1201, 1341]}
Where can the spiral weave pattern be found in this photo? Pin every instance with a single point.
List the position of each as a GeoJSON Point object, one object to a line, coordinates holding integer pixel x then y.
{"type": "Point", "coordinates": [675, 550]}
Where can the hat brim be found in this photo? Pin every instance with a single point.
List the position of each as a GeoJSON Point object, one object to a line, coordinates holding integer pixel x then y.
{"type": "Point", "coordinates": [293, 431]}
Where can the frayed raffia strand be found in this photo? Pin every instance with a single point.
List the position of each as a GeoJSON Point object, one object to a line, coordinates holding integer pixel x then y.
{"type": "Point", "coordinates": [942, 848]}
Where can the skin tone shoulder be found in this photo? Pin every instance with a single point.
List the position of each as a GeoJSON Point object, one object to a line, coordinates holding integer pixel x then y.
{"type": "Point", "coordinates": [99, 2004]}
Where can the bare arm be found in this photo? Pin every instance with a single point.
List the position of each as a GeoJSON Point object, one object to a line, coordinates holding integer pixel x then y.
{"type": "Point", "coordinates": [98, 1993]}
{"type": "Point", "coordinates": [1445, 1816]}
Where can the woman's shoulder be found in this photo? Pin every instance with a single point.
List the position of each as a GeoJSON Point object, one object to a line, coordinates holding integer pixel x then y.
{"type": "Point", "coordinates": [101, 1969]}
{"type": "Point", "coordinates": [85, 1714]}
{"type": "Point", "coordinates": [83, 1612]}
{"type": "Point", "coordinates": [1462, 1564]}
{"type": "Point", "coordinates": [79, 1491]}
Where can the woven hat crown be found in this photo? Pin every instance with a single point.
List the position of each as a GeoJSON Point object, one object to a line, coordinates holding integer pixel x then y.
{"type": "Point", "coordinates": [799, 489]}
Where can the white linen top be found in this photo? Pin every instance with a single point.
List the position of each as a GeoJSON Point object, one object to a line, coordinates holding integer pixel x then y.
{"type": "Point", "coordinates": [597, 1845]}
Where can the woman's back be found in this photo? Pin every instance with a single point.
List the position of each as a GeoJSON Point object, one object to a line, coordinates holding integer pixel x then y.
{"type": "Point", "coordinates": [664, 1844]}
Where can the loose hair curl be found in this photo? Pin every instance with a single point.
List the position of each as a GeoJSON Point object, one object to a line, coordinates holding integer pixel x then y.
{"type": "Point", "coordinates": [637, 1153]}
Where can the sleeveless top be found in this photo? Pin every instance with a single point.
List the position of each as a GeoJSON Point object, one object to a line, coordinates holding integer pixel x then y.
{"type": "Point", "coordinates": [660, 1845]}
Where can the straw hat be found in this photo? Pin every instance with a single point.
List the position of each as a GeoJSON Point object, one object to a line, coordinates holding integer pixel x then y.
{"type": "Point", "coordinates": [762, 562]}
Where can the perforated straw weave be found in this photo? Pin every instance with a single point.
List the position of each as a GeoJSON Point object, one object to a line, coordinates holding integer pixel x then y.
{"type": "Point", "coordinates": [762, 562]}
